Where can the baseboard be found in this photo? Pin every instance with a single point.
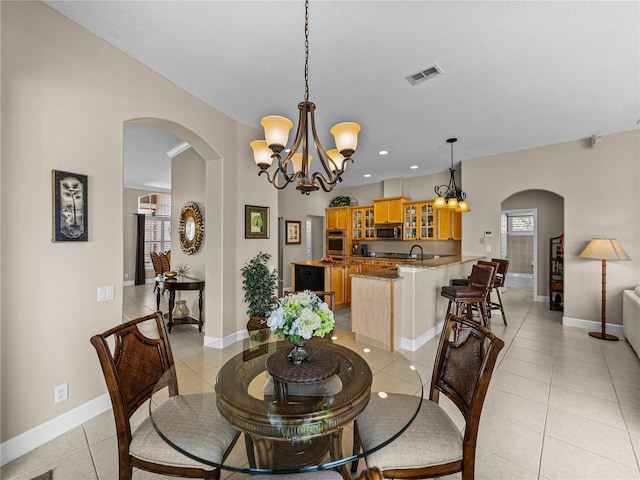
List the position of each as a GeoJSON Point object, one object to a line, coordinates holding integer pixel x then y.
{"type": "Point", "coordinates": [542, 299]}
{"type": "Point", "coordinates": [25, 442]}
{"type": "Point", "coordinates": [591, 325]}
{"type": "Point", "coordinates": [129, 283]}
{"type": "Point", "coordinates": [414, 344]}
{"type": "Point", "coordinates": [216, 342]}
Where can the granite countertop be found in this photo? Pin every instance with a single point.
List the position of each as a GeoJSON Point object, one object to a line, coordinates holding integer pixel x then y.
{"type": "Point", "coordinates": [385, 274]}
{"type": "Point", "coordinates": [392, 274]}
{"type": "Point", "coordinates": [318, 263]}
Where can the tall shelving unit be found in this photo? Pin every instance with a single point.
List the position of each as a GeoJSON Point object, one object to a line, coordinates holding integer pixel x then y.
{"type": "Point", "coordinates": [556, 274]}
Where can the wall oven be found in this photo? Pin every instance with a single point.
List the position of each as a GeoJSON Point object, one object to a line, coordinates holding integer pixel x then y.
{"type": "Point", "coordinates": [391, 231]}
{"type": "Point", "coordinates": [336, 243]}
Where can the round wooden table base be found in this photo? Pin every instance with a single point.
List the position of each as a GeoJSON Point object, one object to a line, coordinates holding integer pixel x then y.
{"type": "Point", "coordinates": [603, 336]}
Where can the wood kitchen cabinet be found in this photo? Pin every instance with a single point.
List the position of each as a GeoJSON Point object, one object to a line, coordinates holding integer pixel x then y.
{"type": "Point", "coordinates": [419, 221]}
{"type": "Point", "coordinates": [389, 210]}
{"type": "Point", "coordinates": [449, 224]}
{"type": "Point", "coordinates": [337, 218]}
{"type": "Point", "coordinates": [362, 224]}
{"type": "Point", "coordinates": [340, 283]}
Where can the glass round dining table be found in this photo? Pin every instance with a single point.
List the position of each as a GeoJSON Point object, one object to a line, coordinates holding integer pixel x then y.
{"type": "Point", "coordinates": [293, 417]}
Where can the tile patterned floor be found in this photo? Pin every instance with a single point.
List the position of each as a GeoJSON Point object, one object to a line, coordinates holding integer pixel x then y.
{"type": "Point", "coordinates": [561, 405]}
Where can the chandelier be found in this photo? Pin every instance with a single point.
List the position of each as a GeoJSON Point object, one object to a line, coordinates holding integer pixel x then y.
{"type": "Point", "coordinates": [297, 165]}
{"type": "Point", "coordinates": [451, 196]}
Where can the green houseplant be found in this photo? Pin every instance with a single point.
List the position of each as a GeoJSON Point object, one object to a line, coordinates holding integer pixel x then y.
{"type": "Point", "coordinates": [259, 285]}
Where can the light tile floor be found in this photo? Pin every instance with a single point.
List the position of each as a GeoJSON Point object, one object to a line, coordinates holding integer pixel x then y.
{"type": "Point", "coordinates": [561, 405]}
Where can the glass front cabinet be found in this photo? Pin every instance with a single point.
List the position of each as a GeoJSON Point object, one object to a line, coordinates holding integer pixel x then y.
{"type": "Point", "coordinates": [419, 221]}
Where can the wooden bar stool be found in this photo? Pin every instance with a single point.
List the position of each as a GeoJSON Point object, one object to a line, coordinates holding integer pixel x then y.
{"type": "Point", "coordinates": [466, 297]}
{"type": "Point", "coordinates": [501, 267]}
{"type": "Point", "coordinates": [499, 279]}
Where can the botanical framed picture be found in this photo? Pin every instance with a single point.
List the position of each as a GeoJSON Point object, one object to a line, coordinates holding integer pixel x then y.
{"type": "Point", "coordinates": [292, 229]}
{"type": "Point", "coordinates": [70, 209]}
{"type": "Point", "coordinates": [256, 222]}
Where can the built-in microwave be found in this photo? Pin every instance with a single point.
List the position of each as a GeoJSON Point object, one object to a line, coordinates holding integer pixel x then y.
{"type": "Point", "coordinates": [389, 231]}
{"type": "Point", "coordinates": [336, 243]}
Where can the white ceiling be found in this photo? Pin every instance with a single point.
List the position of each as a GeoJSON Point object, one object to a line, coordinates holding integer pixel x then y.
{"type": "Point", "coordinates": [517, 74]}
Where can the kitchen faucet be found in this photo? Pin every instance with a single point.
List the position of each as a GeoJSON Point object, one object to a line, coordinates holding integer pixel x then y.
{"type": "Point", "coordinates": [421, 251]}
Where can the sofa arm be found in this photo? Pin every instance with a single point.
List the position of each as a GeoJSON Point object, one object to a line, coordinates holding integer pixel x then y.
{"type": "Point", "coordinates": [631, 318]}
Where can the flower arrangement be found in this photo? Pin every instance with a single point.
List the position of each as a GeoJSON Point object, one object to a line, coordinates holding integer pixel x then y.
{"type": "Point", "coordinates": [301, 316]}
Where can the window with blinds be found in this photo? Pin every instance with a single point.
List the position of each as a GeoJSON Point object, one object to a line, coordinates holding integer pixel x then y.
{"type": "Point", "coordinates": [157, 225]}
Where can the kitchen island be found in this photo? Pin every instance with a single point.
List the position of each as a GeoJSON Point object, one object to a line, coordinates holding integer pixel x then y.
{"type": "Point", "coordinates": [319, 276]}
{"type": "Point", "coordinates": [402, 306]}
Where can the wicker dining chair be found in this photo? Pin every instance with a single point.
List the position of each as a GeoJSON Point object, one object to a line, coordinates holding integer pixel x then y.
{"type": "Point", "coordinates": [433, 446]}
{"type": "Point", "coordinates": [132, 367]}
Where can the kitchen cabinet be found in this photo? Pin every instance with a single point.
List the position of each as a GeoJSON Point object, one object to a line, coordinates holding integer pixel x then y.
{"type": "Point", "coordinates": [337, 218]}
{"type": "Point", "coordinates": [449, 224]}
{"type": "Point", "coordinates": [419, 221]}
{"type": "Point", "coordinates": [340, 283]}
{"type": "Point", "coordinates": [389, 210]}
{"type": "Point", "coordinates": [362, 226]}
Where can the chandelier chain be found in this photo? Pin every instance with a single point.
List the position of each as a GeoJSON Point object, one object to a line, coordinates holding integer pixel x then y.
{"type": "Point", "coordinates": [306, 50]}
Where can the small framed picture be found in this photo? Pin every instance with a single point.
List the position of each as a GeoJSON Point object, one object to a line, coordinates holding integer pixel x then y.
{"type": "Point", "coordinates": [256, 222]}
{"type": "Point", "coordinates": [293, 232]}
{"type": "Point", "coordinates": [70, 213]}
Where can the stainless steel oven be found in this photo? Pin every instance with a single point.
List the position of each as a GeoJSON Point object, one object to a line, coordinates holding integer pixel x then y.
{"type": "Point", "coordinates": [336, 243]}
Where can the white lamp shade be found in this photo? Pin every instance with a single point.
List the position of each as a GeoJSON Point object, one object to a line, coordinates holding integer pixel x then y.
{"type": "Point", "coordinates": [336, 158]}
{"type": "Point", "coordinates": [261, 152]}
{"type": "Point", "coordinates": [297, 162]}
{"type": "Point", "coordinates": [276, 129]}
{"type": "Point", "coordinates": [605, 249]}
{"type": "Point", "coordinates": [346, 135]}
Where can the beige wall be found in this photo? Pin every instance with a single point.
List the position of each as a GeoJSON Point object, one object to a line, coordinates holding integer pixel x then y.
{"type": "Point", "coordinates": [68, 95]}
{"type": "Point", "coordinates": [588, 179]}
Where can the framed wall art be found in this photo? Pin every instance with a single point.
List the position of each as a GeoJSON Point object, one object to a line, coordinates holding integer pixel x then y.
{"type": "Point", "coordinates": [70, 209]}
{"type": "Point", "coordinates": [256, 222]}
{"type": "Point", "coordinates": [293, 229]}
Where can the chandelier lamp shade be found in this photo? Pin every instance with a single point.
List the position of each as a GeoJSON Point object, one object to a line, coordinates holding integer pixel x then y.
{"type": "Point", "coordinates": [451, 196]}
{"type": "Point", "coordinates": [604, 249]}
{"type": "Point", "coordinates": [296, 164]}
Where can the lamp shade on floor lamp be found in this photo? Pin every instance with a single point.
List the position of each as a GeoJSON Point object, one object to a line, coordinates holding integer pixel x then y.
{"type": "Point", "coordinates": [604, 249]}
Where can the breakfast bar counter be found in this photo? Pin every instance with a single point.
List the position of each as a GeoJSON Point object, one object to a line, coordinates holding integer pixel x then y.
{"type": "Point", "coordinates": [402, 306]}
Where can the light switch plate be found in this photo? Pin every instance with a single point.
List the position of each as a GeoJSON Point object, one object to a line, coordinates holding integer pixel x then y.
{"type": "Point", "coordinates": [105, 293]}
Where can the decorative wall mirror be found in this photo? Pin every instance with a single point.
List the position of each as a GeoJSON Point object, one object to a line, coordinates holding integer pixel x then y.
{"type": "Point", "coordinates": [191, 228]}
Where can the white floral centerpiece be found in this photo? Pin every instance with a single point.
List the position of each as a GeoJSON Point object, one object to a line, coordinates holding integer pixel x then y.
{"type": "Point", "coordinates": [298, 318]}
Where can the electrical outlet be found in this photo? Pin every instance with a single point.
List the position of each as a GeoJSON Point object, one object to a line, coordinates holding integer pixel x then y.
{"type": "Point", "coordinates": [61, 392]}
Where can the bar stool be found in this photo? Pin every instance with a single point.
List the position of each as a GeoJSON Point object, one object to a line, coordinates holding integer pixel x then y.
{"type": "Point", "coordinates": [501, 266]}
{"type": "Point", "coordinates": [498, 282]}
{"type": "Point", "coordinates": [466, 297]}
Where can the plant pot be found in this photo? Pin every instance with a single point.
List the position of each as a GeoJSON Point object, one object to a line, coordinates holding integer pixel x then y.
{"type": "Point", "coordinates": [257, 323]}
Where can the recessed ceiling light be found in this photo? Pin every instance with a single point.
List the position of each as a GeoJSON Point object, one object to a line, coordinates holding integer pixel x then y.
{"type": "Point", "coordinates": [367, 175]}
{"type": "Point", "coordinates": [383, 152]}
{"type": "Point", "coordinates": [413, 167]}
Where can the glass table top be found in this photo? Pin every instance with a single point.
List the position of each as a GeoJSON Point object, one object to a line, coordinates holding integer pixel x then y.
{"type": "Point", "coordinates": [295, 425]}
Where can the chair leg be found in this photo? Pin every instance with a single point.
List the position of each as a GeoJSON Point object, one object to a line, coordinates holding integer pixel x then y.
{"type": "Point", "coordinates": [356, 447]}
{"type": "Point", "coordinates": [504, 317]}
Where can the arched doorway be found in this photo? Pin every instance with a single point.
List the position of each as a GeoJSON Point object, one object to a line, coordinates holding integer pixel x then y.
{"type": "Point", "coordinates": [187, 159]}
{"type": "Point", "coordinates": [529, 219]}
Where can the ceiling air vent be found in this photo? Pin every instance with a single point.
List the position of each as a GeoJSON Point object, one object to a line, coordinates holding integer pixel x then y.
{"type": "Point", "coordinates": [420, 77]}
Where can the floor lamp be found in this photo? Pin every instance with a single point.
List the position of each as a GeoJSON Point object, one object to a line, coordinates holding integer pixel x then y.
{"type": "Point", "coordinates": [604, 249]}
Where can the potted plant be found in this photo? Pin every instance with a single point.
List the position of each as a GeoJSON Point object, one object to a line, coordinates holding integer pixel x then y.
{"type": "Point", "coordinates": [259, 285]}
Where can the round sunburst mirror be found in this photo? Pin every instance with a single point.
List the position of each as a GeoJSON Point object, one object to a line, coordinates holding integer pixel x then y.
{"type": "Point", "coordinates": [191, 228]}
